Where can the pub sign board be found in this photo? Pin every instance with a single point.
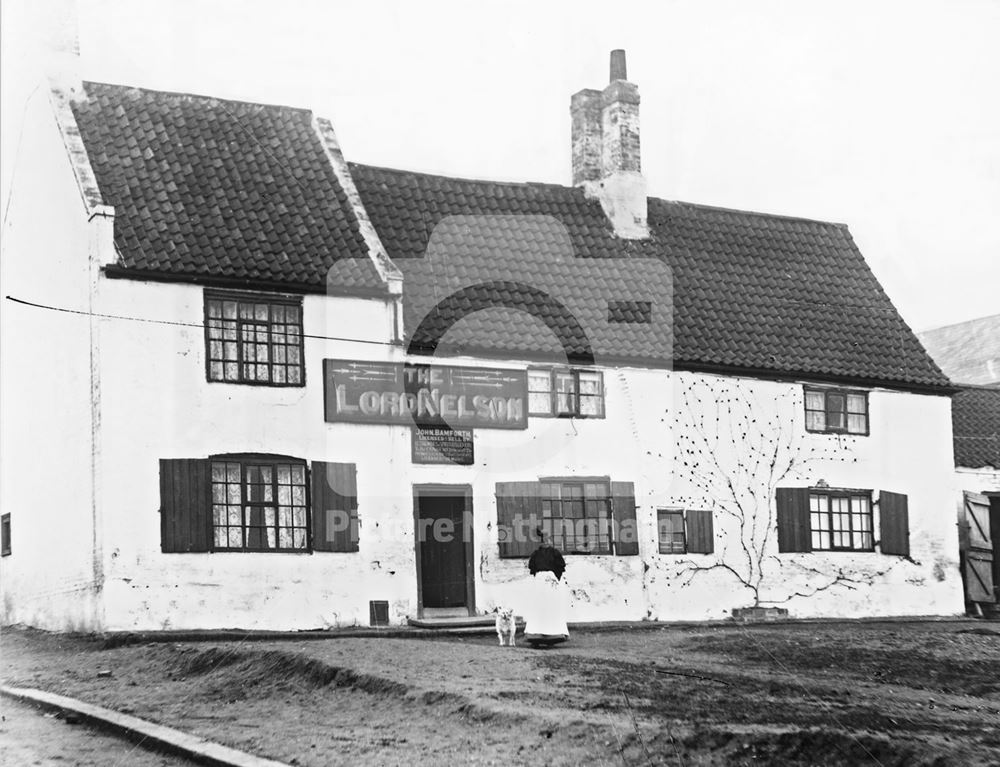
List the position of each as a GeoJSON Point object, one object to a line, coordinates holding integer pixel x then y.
{"type": "Point", "coordinates": [426, 395]}
{"type": "Point", "coordinates": [442, 446]}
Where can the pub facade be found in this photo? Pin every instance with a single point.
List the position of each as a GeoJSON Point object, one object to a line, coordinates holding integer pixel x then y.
{"type": "Point", "coordinates": [248, 384]}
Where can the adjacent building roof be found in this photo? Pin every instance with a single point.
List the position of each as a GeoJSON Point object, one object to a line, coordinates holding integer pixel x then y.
{"type": "Point", "coordinates": [975, 415]}
{"type": "Point", "coordinates": [969, 352]}
{"type": "Point", "coordinates": [207, 188]}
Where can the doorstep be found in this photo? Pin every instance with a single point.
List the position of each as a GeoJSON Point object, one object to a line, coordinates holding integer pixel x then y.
{"type": "Point", "coordinates": [478, 623]}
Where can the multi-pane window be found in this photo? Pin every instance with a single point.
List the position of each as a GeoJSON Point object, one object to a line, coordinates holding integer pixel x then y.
{"type": "Point", "coordinates": [259, 504]}
{"type": "Point", "coordinates": [834, 410]}
{"type": "Point", "coordinates": [670, 526]}
{"type": "Point", "coordinates": [539, 392]}
{"type": "Point", "coordinates": [254, 341]}
{"type": "Point", "coordinates": [577, 516]}
{"type": "Point", "coordinates": [841, 521]}
{"type": "Point", "coordinates": [566, 392]}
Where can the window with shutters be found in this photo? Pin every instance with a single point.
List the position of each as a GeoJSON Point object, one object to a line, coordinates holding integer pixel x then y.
{"type": "Point", "coordinates": [577, 516]}
{"type": "Point", "coordinates": [259, 504]}
{"type": "Point", "coordinates": [841, 521]}
{"type": "Point", "coordinates": [836, 411]}
{"type": "Point", "coordinates": [254, 339]}
{"type": "Point", "coordinates": [670, 526]}
{"type": "Point", "coordinates": [583, 515]}
{"type": "Point", "coordinates": [681, 531]}
{"type": "Point", "coordinates": [566, 393]}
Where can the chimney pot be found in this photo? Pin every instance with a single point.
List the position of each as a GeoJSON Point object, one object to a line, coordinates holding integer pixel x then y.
{"type": "Point", "coordinates": [618, 71]}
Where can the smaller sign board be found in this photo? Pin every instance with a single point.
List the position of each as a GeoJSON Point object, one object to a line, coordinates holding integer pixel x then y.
{"type": "Point", "coordinates": [442, 445]}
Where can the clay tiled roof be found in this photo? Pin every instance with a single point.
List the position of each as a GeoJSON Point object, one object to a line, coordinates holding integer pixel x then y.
{"type": "Point", "coordinates": [205, 187]}
{"type": "Point", "coordinates": [975, 415]}
{"type": "Point", "coordinates": [750, 291]}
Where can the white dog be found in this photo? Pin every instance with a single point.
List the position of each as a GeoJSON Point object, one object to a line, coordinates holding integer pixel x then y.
{"type": "Point", "coordinates": [506, 625]}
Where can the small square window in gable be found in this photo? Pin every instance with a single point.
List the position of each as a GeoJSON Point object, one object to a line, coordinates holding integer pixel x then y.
{"type": "Point", "coordinates": [630, 312]}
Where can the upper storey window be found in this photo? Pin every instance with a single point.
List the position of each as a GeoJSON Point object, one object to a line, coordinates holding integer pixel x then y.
{"type": "Point", "coordinates": [566, 393]}
{"type": "Point", "coordinates": [837, 411]}
{"type": "Point", "coordinates": [254, 340]}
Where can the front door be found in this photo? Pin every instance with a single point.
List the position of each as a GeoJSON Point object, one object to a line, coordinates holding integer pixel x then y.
{"type": "Point", "coordinates": [444, 543]}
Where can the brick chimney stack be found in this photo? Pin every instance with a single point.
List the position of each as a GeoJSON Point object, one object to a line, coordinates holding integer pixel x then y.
{"type": "Point", "coordinates": [585, 110]}
{"type": "Point", "coordinates": [606, 156]}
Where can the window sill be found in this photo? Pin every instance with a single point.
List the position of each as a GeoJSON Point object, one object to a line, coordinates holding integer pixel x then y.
{"type": "Point", "coordinates": [260, 384]}
{"type": "Point", "coordinates": [833, 551]}
{"type": "Point", "coordinates": [839, 433]}
{"type": "Point", "coordinates": [260, 551]}
{"type": "Point", "coordinates": [568, 416]}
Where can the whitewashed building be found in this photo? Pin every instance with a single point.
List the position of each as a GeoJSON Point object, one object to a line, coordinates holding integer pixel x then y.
{"type": "Point", "coordinates": [249, 384]}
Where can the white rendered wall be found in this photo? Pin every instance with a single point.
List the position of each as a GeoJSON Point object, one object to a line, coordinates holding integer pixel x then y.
{"type": "Point", "coordinates": [51, 578]}
{"type": "Point", "coordinates": [622, 446]}
{"type": "Point", "coordinates": [908, 451]}
{"type": "Point", "coordinates": [177, 414]}
{"type": "Point", "coordinates": [155, 397]}
{"type": "Point", "coordinates": [984, 480]}
{"type": "Point", "coordinates": [158, 404]}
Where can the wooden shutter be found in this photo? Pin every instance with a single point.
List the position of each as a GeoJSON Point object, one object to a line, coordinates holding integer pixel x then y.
{"type": "Point", "coordinates": [334, 507]}
{"type": "Point", "coordinates": [519, 512]}
{"type": "Point", "coordinates": [793, 519]}
{"type": "Point", "coordinates": [977, 521]}
{"type": "Point", "coordinates": [185, 505]}
{"type": "Point", "coordinates": [623, 506]}
{"type": "Point", "coordinates": [700, 533]}
{"type": "Point", "coordinates": [894, 523]}
{"type": "Point", "coordinates": [976, 537]}
{"type": "Point", "coordinates": [979, 586]}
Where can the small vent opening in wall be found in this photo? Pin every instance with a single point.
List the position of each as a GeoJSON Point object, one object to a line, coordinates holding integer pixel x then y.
{"type": "Point", "coordinates": [378, 612]}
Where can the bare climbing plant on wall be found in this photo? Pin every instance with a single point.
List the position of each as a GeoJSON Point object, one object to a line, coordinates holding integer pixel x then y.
{"type": "Point", "coordinates": [736, 447]}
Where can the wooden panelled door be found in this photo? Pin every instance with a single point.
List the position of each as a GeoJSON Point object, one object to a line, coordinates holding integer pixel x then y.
{"type": "Point", "coordinates": [978, 544]}
{"type": "Point", "coordinates": [443, 547]}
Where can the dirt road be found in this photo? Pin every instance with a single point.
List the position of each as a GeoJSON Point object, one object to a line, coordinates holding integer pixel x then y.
{"type": "Point", "coordinates": [829, 694]}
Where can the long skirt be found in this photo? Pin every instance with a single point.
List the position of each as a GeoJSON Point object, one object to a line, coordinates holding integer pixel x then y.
{"type": "Point", "coordinates": [545, 609]}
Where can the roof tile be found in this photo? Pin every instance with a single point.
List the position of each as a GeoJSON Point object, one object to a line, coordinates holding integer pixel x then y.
{"type": "Point", "coordinates": [975, 415]}
{"type": "Point", "coordinates": [193, 180]}
{"type": "Point", "coordinates": [749, 290]}
{"type": "Point", "coordinates": [211, 188]}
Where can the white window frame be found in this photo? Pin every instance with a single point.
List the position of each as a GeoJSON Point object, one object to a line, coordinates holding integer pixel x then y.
{"type": "Point", "coordinates": [571, 397]}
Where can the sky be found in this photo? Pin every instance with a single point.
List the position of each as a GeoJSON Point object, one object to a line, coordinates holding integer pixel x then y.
{"type": "Point", "coordinates": [882, 114]}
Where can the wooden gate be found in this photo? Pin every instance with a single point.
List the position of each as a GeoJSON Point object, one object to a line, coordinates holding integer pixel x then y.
{"type": "Point", "coordinates": [977, 549]}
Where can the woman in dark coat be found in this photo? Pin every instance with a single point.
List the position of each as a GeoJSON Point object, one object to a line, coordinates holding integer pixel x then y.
{"type": "Point", "coordinates": [547, 557]}
{"type": "Point", "coordinates": [545, 618]}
